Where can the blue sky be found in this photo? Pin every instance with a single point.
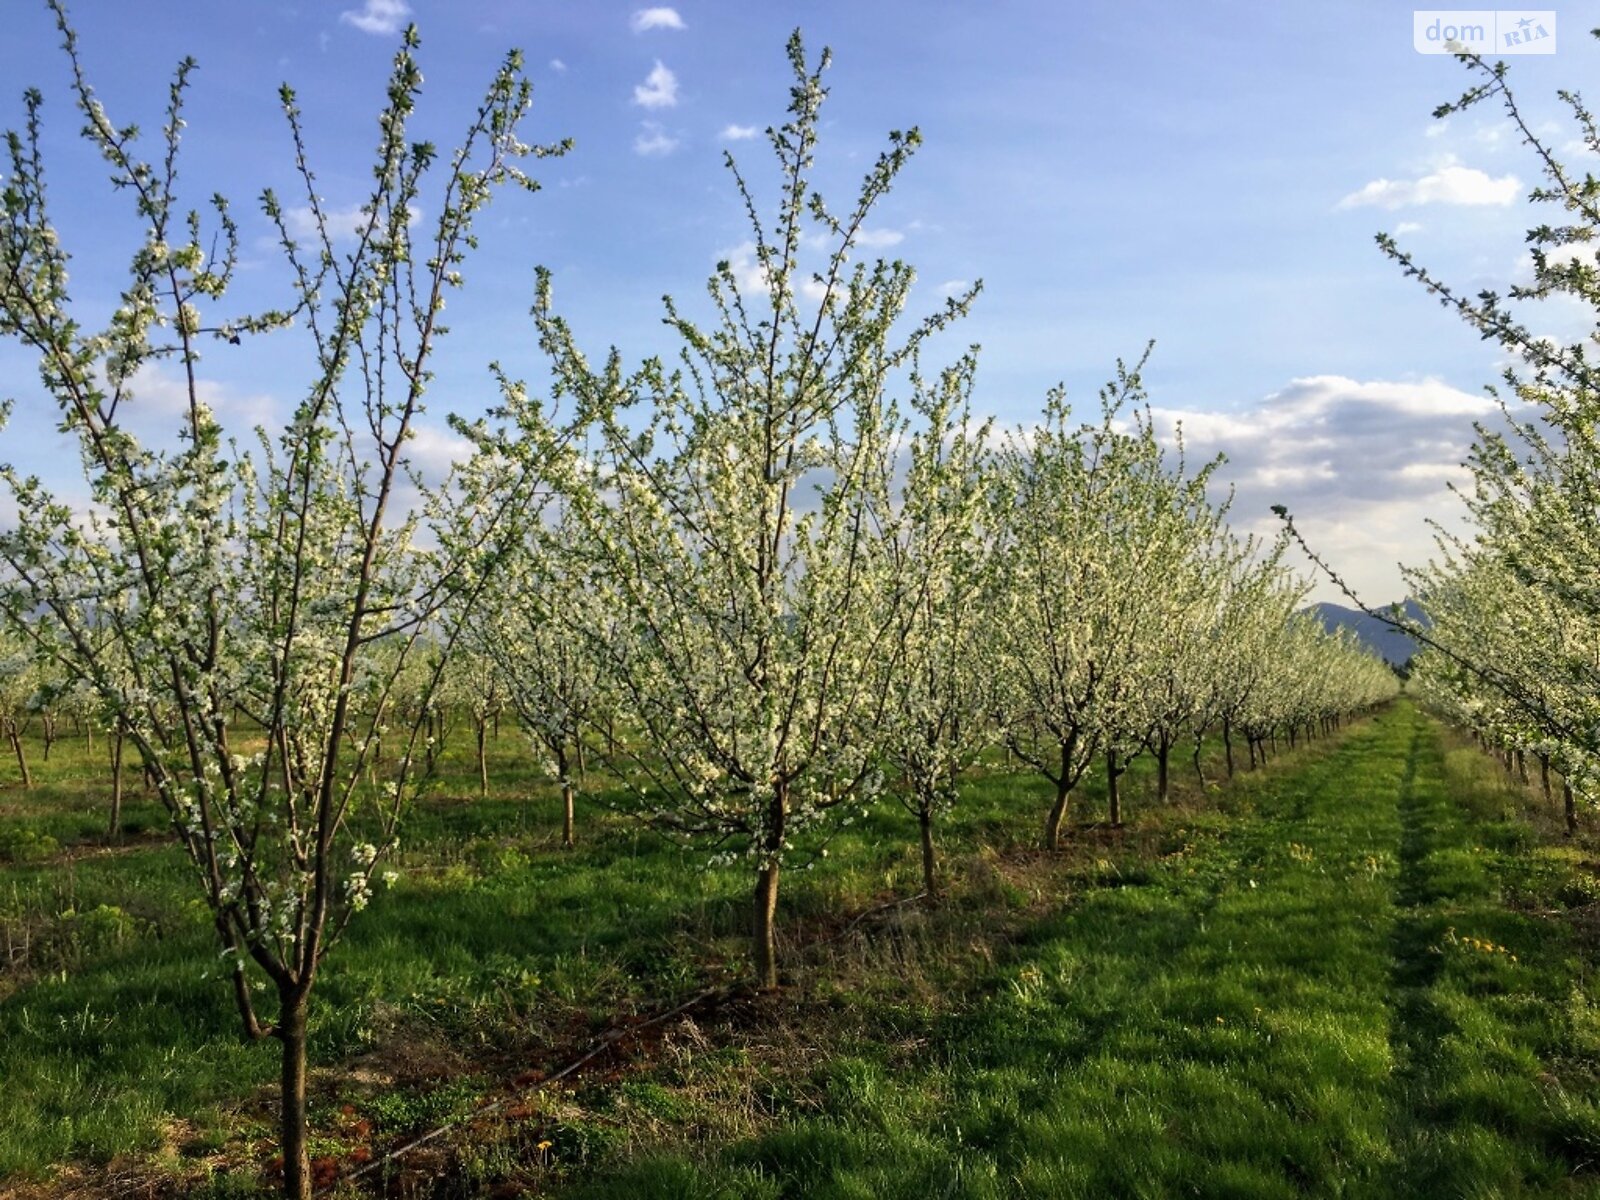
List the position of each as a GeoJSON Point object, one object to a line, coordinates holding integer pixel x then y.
{"type": "Point", "coordinates": [1209, 176]}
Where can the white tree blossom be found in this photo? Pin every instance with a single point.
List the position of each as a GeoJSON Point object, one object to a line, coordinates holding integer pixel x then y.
{"type": "Point", "coordinates": [727, 523]}
{"type": "Point", "coordinates": [209, 577]}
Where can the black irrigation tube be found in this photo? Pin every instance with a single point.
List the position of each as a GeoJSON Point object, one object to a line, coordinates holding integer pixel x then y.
{"type": "Point", "coordinates": [606, 1040]}
{"type": "Point", "coordinates": [604, 1043]}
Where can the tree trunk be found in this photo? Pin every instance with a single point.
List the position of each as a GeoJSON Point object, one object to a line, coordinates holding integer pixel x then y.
{"type": "Point", "coordinates": [483, 757]}
{"type": "Point", "coordinates": [22, 757]}
{"type": "Point", "coordinates": [765, 929]}
{"type": "Point", "coordinates": [567, 837]}
{"type": "Point", "coordinates": [1522, 765]}
{"type": "Point", "coordinates": [1058, 810]}
{"type": "Point", "coordinates": [1199, 771]}
{"type": "Point", "coordinates": [764, 925]}
{"type": "Point", "coordinates": [116, 785]}
{"type": "Point", "coordinates": [1163, 783]}
{"type": "Point", "coordinates": [1544, 776]}
{"type": "Point", "coordinates": [1227, 744]}
{"type": "Point", "coordinates": [1251, 742]}
{"type": "Point", "coordinates": [930, 876]}
{"type": "Point", "coordinates": [291, 1031]}
{"type": "Point", "coordinates": [1113, 793]}
{"type": "Point", "coordinates": [1570, 806]}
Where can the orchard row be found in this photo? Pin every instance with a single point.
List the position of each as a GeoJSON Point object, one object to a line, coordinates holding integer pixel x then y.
{"type": "Point", "coordinates": [768, 583]}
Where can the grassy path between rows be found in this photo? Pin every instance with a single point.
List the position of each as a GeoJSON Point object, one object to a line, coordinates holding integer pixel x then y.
{"type": "Point", "coordinates": [1338, 985]}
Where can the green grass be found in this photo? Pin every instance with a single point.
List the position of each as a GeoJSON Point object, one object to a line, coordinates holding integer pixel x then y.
{"type": "Point", "coordinates": [1287, 1005]}
{"type": "Point", "coordinates": [497, 950]}
{"type": "Point", "coordinates": [1295, 985]}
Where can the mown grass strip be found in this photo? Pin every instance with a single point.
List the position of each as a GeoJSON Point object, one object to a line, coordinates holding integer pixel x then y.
{"type": "Point", "coordinates": [1489, 997]}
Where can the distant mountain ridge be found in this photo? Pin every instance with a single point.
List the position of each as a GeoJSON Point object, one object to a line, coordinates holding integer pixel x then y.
{"type": "Point", "coordinates": [1384, 640]}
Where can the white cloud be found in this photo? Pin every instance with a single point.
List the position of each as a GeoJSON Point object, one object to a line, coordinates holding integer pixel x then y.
{"type": "Point", "coordinates": [1362, 465]}
{"type": "Point", "coordinates": [1435, 472]}
{"type": "Point", "coordinates": [738, 133]}
{"type": "Point", "coordinates": [1406, 227]}
{"type": "Point", "coordinates": [1565, 254]}
{"type": "Point", "coordinates": [656, 18]}
{"type": "Point", "coordinates": [1298, 475]}
{"type": "Point", "coordinates": [434, 451]}
{"type": "Point", "coordinates": [378, 16]}
{"type": "Point", "coordinates": [344, 224]}
{"type": "Point", "coordinates": [1587, 253]}
{"type": "Point", "coordinates": [1437, 129]}
{"type": "Point", "coordinates": [1448, 185]}
{"type": "Point", "coordinates": [659, 89]}
{"type": "Point", "coordinates": [559, 67]}
{"type": "Point", "coordinates": [160, 401]}
{"type": "Point", "coordinates": [751, 276]}
{"type": "Point", "coordinates": [654, 141]}
{"type": "Point", "coordinates": [878, 238]}
{"type": "Point", "coordinates": [747, 273]}
{"type": "Point", "coordinates": [431, 453]}
{"type": "Point", "coordinates": [953, 287]}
